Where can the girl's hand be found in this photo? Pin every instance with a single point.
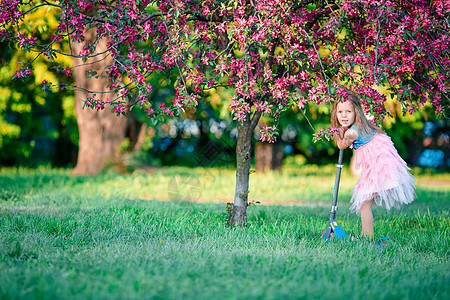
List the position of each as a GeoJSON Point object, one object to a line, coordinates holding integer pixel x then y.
{"type": "Point", "coordinates": [339, 135]}
{"type": "Point", "coordinates": [345, 138]}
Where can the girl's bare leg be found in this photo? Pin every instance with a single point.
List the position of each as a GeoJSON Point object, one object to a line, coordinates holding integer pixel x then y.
{"type": "Point", "coordinates": [367, 219]}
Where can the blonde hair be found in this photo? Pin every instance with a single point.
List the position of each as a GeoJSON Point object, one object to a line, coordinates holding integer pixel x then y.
{"type": "Point", "coordinates": [361, 121]}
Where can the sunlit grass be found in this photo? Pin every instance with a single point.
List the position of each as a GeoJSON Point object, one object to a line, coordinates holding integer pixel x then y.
{"type": "Point", "coordinates": [302, 185]}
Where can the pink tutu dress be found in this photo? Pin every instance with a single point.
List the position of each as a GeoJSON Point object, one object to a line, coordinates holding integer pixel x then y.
{"type": "Point", "coordinates": [385, 177]}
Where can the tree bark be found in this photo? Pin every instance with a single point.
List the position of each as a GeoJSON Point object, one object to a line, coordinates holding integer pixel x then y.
{"type": "Point", "coordinates": [101, 132]}
{"type": "Point", "coordinates": [141, 137]}
{"type": "Point", "coordinates": [243, 160]}
{"type": "Point", "coordinates": [268, 157]}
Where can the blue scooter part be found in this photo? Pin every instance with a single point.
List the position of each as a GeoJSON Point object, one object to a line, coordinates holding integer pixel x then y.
{"type": "Point", "coordinates": [336, 232]}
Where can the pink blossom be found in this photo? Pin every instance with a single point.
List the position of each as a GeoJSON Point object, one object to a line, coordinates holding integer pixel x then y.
{"type": "Point", "coordinates": [85, 51]}
{"type": "Point", "coordinates": [22, 73]}
{"type": "Point", "coordinates": [68, 71]}
{"type": "Point", "coordinates": [85, 5]}
{"type": "Point", "coordinates": [301, 102]}
{"type": "Point", "coordinates": [149, 112]}
{"type": "Point", "coordinates": [268, 134]}
{"type": "Point", "coordinates": [119, 109]}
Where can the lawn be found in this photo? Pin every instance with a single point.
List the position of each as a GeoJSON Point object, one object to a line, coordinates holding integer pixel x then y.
{"type": "Point", "coordinates": [163, 235]}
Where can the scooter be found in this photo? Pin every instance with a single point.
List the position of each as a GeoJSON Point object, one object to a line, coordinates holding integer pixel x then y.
{"type": "Point", "coordinates": [333, 228]}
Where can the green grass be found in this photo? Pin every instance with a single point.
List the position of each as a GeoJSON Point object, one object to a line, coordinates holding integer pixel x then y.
{"type": "Point", "coordinates": [109, 237]}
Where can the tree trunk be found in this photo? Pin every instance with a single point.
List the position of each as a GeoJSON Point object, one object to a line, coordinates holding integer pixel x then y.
{"type": "Point", "coordinates": [243, 160]}
{"type": "Point", "coordinates": [140, 137]}
{"type": "Point", "coordinates": [268, 157]}
{"type": "Point", "coordinates": [101, 132]}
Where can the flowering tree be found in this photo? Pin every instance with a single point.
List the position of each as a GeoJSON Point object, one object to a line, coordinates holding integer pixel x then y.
{"type": "Point", "coordinates": [274, 54]}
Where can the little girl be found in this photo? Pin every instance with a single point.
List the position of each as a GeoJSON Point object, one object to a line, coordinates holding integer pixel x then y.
{"type": "Point", "coordinates": [385, 178]}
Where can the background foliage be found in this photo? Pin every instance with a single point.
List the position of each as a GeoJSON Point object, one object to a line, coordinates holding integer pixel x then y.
{"type": "Point", "coordinates": [36, 126]}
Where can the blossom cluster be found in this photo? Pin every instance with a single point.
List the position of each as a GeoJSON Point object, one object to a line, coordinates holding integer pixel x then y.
{"type": "Point", "coordinates": [94, 103]}
{"type": "Point", "coordinates": [327, 133]}
{"type": "Point", "coordinates": [269, 134]}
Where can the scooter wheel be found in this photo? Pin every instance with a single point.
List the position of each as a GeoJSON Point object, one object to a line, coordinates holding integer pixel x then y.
{"type": "Point", "coordinates": [324, 234]}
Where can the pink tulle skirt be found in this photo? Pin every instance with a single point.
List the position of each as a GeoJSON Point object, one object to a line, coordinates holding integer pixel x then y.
{"type": "Point", "coordinates": [385, 177]}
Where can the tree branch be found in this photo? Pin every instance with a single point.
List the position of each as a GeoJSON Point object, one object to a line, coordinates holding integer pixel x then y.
{"type": "Point", "coordinates": [255, 119]}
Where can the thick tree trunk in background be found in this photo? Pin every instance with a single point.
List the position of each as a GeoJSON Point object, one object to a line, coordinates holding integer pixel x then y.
{"type": "Point", "coordinates": [101, 132]}
{"type": "Point", "coordinates": [136, 132]}
{"type": "Point", "coordinates": [140, 137]}
{"type": "Point", "coordinates": [243, 160]}
{"type": "Point", "coordinates": [268, 157]}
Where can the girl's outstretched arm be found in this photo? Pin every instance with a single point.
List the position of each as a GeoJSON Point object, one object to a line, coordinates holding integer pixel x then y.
{"type": "Point", "coordinates": [345, 138]}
